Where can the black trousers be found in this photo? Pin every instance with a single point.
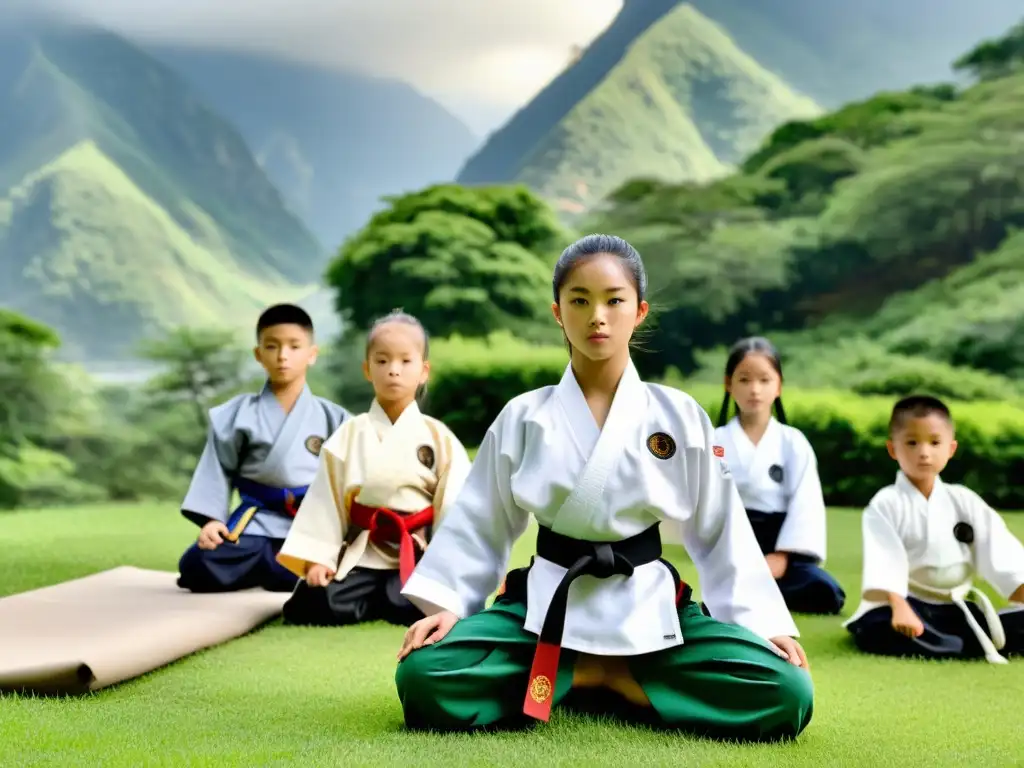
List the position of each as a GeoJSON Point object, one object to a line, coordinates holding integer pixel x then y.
{"type": "Point", "coordinates": [947, 635]}
{"type": "Point", "coordinates": [365, 594]}
{"type": "Point", "coordinates": [806, 587]}
{"type": "Point", "coordinates": [249, 563]}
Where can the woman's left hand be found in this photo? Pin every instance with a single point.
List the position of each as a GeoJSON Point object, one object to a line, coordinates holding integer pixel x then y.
{"type": "Point", "coordinates": [791, 651]}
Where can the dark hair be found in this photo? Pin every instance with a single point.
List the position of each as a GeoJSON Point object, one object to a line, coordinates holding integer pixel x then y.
{"type": "Point", "coordinates": [399, 316]}
{"type": "Point", "coordinates": [917, 407]}
{"type": "Point", "coordinates": [753, 345]}
{"type": "Point", "coordinates": [284, 314]}
{"type": "Point", "coordinates": [594, 245]}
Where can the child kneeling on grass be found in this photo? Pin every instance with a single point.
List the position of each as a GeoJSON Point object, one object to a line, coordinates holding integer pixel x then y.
{"type": "Point", "coordinates": [380, 491]}
{"type": "Point", "coordinates": [924, 542]}
{"type": "Point", "coordinates": [605, 462]}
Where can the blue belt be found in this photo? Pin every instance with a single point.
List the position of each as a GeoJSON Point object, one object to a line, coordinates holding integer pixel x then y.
{"type": "Point", "coordinates": [256, 496]}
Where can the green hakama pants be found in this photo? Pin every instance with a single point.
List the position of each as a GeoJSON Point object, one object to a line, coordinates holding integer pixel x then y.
{"type": "Point", "coordinates": [723, 682]}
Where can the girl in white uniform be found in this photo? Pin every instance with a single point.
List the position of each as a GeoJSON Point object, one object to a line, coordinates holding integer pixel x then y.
{"type": "Point", "coordinates": [601, 460]}
{"type": "Point", "coordinates": [776, 473]}
{"type": "Point", "coordinates": [924, 542]}
{"type": "Point", "coordinates": [384, 483]}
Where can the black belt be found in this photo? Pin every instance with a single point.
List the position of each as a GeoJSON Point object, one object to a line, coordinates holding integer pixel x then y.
{"type": "Point", "coordinates": [600, 559]}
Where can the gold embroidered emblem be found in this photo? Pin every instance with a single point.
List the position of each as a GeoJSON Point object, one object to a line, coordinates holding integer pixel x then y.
{"type": "Point", "coordinates": [425, 454]}
{"type": "Point", "coordinates": [501, 589]}
{"type": "Point", "coordinates": [661, 445]}
{"type": "Point", "coordinates": [540, 688]}
{"type": "Point", "coordinates": [314, 443]}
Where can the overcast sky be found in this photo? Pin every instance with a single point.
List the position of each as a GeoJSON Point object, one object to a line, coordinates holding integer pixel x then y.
{"type": "Point", "coordinates": [482, 58]}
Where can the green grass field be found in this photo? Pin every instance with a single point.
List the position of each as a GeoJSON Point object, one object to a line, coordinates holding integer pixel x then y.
{"type": "Point", "coordinates": [286, 695]}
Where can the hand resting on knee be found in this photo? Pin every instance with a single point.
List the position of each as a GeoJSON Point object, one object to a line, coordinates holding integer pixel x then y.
{"type": "Point", "coordinates": [427, 631]}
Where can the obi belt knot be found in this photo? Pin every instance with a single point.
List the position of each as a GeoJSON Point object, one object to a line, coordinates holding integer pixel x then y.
{"type": "Point", "coordinates": [387, 526]}
{"type": "Point", "coordinates": [256, 496]}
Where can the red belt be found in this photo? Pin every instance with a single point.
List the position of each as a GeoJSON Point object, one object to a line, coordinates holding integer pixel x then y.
{"type": "Point", "coordinates": [392, 527]}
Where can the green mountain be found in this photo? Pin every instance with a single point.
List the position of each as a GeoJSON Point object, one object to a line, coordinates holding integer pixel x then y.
{"type": "Point", "coordinates": [681, 89]}
{"type": "Point", "coordinates": [672, 97]}
{"type": "Point", "coordinates": [126, 204]}
{"type": "Point", "coordinates": [334, 142]}
{"type": "Point", "coordinates": [881, 245]}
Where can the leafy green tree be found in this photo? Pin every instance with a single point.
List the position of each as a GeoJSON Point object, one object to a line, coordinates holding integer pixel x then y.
{"type": "Point", "coordinates": [198, 367]}
{"type": "Point", "coordinates": [811, 170]}
{"type": "Point", "coordinates": [995, 58]}
{"type": "Point", "coordinates": [37, 404]}
{"type": "Point", "coordinates": [873, 122]}
{"type": "Point", "coordinates": [464, 260]}
{"type": "Point", "coordinates": [710, 252]}
{"type": "Point", "coordinates": [30, 387]}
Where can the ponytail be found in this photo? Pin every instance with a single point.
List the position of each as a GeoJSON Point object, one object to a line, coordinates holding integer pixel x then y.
{"type": "Point", "coordinates": [723, 414]}
{"type": "Point", "coordinates": [780, 412]}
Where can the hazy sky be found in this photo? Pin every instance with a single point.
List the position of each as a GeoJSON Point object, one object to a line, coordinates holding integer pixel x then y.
{"type": "Point", "coordinates": [482, 58]}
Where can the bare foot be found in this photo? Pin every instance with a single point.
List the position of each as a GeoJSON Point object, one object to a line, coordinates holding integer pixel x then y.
{"type": "Point", "coordinates": [611, 672]}
{"type": "Point", "coordinates": [589, 672]}
{"type": "Point", "coordinates": [619, 678]}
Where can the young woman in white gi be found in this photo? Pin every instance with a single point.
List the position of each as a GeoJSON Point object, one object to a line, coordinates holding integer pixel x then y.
{"type": "Point", "coordinates": [924, 543]}
{"type": "Point", "coordinates": [384, 482]}
{"type": "Point", "coordinates": [601, 460]}
{"type": "Point", "coordinates": [776, 473]}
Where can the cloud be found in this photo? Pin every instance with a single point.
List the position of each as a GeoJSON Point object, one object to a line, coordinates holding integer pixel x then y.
{"type": "Point", "coordinates": [498, 52]}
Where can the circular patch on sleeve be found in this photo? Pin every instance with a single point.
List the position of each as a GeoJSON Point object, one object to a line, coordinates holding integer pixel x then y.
{"type": "Point", "coordinates": [661, 445]}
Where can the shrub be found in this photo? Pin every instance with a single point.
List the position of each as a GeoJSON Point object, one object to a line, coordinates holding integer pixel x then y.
{"type": "Point", "coordinates": [472, 381]}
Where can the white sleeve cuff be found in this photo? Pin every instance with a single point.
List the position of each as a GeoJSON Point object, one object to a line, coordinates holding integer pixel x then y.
{"type": "Point", "coordinates": [433, 597]}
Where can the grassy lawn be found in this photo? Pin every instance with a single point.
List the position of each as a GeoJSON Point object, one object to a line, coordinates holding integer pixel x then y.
{"type": "Point", "coordinates": [285, 695]}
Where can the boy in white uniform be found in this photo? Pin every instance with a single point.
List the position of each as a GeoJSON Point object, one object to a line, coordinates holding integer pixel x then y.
{"type": "Point", "coordinates": [924, 542]}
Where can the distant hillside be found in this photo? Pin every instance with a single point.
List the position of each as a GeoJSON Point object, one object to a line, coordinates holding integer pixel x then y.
{"type": "Point", "coordinates": [650, 110]}
{"type": "Point", "coordinates": [838, 51]}
{"type": "Point", "coordinates": [880, 245]}
{"type": "Point", "coordinates": [126, 204]}
{"type": "Point", "coordinates": [674, 99]}
{"type": "Point", "coordinates": [333, 142]}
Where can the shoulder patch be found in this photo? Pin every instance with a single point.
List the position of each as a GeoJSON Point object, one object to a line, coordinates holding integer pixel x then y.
{"type": "Point", "coordinates": [719, 451]}
{"type": "Point", "coordinates": [314, 443]}
{"type": "Point", "coordinates": [661, 445]}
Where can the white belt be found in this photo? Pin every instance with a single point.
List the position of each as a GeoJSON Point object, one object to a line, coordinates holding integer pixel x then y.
{"type": "Point", "coordinates": [958, 596]}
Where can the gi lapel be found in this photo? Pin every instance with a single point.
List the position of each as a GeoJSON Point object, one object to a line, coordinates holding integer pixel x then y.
{"type": "Point", "coordinates": [766, 454]}
{"type": "Point", "coordinates": [291, 434]}
{"type": "Point", "coordinates": [627, 409]}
